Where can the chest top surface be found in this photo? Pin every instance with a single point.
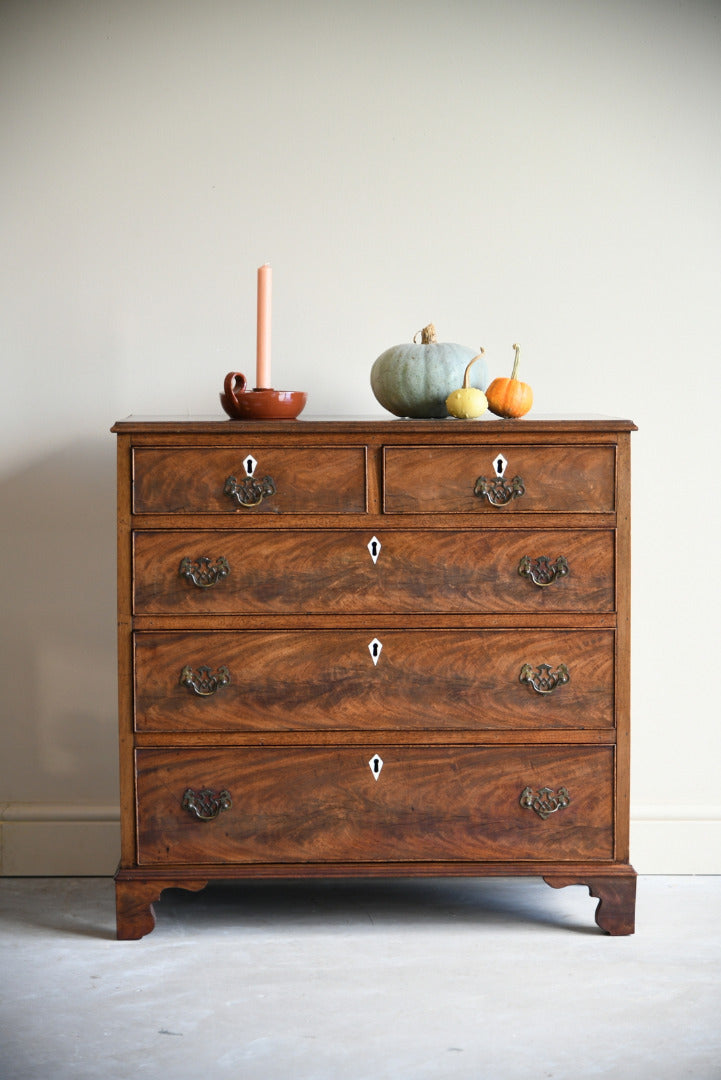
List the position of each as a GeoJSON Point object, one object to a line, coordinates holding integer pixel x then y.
{"type": "Point", "coordinates": [542, 425]}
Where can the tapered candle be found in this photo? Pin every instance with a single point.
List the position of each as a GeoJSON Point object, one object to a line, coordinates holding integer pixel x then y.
{"type": "Point", "coordinates": [265, 289]}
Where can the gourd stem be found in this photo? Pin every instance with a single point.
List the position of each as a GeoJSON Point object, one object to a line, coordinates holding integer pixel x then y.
{"type": "Point", "coordinates": [515, 362]}
{"type": "Point", "coordinates": [428, 335]}
{"type": "Point", "coordinates": [466, 375]}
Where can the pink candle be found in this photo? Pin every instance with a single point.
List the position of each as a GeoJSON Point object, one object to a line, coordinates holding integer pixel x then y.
{"type": "Point", "coordinates": [265, 288]}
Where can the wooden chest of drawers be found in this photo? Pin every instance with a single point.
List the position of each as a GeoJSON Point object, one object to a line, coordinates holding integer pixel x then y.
{"type": "Point", "coordinates": [373, 648]}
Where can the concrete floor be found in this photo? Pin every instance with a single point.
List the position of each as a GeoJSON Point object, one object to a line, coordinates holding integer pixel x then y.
{"type": "Point", "coordinates": [387, 980]}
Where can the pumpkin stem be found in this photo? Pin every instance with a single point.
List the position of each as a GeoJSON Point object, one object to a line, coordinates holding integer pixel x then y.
{"type": "Point", "coordinates": [466, 375]}
{"type": "Point", "coordinates": [515, 362]}
{"type": "Point", "coordinates": [428, 335]}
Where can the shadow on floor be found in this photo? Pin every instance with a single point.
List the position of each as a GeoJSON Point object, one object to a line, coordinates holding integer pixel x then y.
{"type": "Point", "coordinates": [85, 906]}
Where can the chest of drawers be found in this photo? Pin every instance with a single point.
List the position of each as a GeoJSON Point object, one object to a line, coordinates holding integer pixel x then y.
{"type": "Point", "coordinates": [373, 648]}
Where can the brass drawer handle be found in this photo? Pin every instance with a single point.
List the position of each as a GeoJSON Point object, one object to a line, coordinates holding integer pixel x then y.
{"type": "Point", "coordinates": [543, 680]}
{"type": "Point", "coordinates": [202, 682]}
{"type": "Point", "coordinates": [206, 804]}
{"type": "Point", "coordinates": [544, 802]}
{"type": "Point", "coordinates": [201, 573]}
{"type": "Point", "coordinates": [542, 571]}
{"type": "Point", "coordinates": [249, 492]}
{"type": "Point", "coordinates": [499, 491]}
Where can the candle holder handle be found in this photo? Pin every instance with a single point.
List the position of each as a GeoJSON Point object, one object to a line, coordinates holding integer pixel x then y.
{"type": "Point", "coordinates": [234, 383]}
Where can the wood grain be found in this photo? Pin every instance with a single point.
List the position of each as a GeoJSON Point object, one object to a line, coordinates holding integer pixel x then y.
{"type": "Point", "coordinates": [441, 479]}
{"type": "Point", "coordinates": [323, 804]}
{"type": "Point", "coordinates": [301, 571]}
{"type": "Point", "coordinates": [308, 480]}
{"type": "Point", "coordinates": [306, 680]}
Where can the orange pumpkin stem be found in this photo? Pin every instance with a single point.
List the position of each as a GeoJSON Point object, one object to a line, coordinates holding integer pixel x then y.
{"type": "Point", "coordinates": [466, 375]}
{"type": "Point", "coordinates": [515, 362]}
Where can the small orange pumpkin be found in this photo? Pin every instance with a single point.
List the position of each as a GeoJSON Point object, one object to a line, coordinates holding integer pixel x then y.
{"type": "Point", "coordinates": [510, 398]}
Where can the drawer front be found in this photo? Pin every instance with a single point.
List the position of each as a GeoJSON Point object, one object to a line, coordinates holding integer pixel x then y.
{"type": "Point", "coordinates": [461, 479]}
{"type": "Point", "coordinates": [269, 804]}
{"type": "Point", "coordinates": [307, 571]}
{"type": "Point", "coordinates": [429, 680]}
{"type": "Point", "coordinates": [251, 480]}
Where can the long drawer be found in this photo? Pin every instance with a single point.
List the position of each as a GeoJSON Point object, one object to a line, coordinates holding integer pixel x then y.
{"type": "Point", "coordinates": [305, 680]}
{"type": "Point", "coordinates": [374, 804]}
{"type": "Point", "coordinates": [293, 571]}
{"type": "Point", "coordinates": [250, 480]}
{"type": "Point", "coordinates": [499, 479]}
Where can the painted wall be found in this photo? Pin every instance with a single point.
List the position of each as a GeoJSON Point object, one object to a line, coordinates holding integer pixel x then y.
{"type": "Point", "coordinates": [548, 173]}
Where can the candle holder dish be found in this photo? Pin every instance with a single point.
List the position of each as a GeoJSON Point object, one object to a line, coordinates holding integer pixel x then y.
{"type": "Point", "coordinates": [261, 403]}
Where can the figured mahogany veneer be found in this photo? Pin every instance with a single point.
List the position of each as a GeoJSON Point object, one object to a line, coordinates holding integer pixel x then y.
{"type": "Point", "coordinates": [299, 571]}
{"type": "Point", "coordinates": [307, 480]}
{"type": "Point", "coordinates": [373, 648]}
{"type": "Point", "coordinates": [446, 803]}
{"type": "Point", "coordinates": [434, 479]}
{"type": "Point", "coordinates": [432, 680]}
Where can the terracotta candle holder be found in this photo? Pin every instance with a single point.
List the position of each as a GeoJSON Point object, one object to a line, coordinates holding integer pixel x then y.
{"type": "Point", "coordinates": [261, 403]}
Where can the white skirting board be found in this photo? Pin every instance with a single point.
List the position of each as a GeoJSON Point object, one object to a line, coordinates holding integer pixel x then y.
{"type": "Point", "coordinates": [58, 840]}
{"type": "Point", "coordinates": [676, 839]}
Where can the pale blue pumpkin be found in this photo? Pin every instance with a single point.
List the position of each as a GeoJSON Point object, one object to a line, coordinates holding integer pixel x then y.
{"type": "Point", "coordinates": [415, 379]}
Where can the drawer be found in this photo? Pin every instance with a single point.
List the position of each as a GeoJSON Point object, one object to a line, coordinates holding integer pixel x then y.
{"type": "Point", "coordinates": [293, 571]}
{"type": "Point", "coordinates": [499, 479]}
{"type": "Point", "coordinates": [251, 480]}
{"type": "Point", "coordinates": [326, 804]}
{"type": "Point", "coordinates": [433, 680]}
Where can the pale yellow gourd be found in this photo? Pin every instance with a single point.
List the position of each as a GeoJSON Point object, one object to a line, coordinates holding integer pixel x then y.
{"type": "Point", "coordinates": [468, 402]}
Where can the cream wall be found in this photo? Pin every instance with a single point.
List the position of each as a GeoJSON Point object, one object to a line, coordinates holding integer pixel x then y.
{"type": "Point", "coordinates": [546, 172]}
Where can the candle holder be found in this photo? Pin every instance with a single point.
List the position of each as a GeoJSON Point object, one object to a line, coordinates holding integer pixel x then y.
{"type": "Point", "coordinates": [261, 403]}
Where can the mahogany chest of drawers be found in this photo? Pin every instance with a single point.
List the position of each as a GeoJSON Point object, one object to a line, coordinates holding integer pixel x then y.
{"type": "Point", "coordinates": [373, 648]}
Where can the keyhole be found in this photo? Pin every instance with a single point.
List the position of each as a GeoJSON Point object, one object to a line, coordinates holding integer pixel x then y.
{"type": "Point", "coordinates": [499, 465]}
{"type": "Point", "coordinates": [249, 465]}
{"type": "Point", "coordinates": [374, 548]}
{"type": "Point", "coordinates": [375, 647]}
{"type": "Point", "coordinates": [375, 765]}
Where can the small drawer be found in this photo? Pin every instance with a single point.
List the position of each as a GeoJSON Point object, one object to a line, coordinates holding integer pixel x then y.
{"type": "Point", "coordinates": [374, 804]}
{"type": "Point", "coordinates": [304, 571]}
{"type": "Point", "coordinates": [499, 479]}
{"type": "Point", "coordinates": [251, 480]}
{"type": "Point", "coordinates": [366, 679]}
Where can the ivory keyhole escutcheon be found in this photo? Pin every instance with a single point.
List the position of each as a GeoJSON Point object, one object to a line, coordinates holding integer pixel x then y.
{"type": "Point", "coordinates": [499, 464]}
{"type": "Point", "coordinates": [374, 546]}
{"type": "Point", "coordinates": [374, 647]}
{"type": "Point", "coordinates": [249, 464]}
{"type": "Point", "coordinates": [376, 764]}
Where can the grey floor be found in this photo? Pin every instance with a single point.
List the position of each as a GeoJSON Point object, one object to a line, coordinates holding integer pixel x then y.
{"type": "Point", "coordinates": [386, 980]}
